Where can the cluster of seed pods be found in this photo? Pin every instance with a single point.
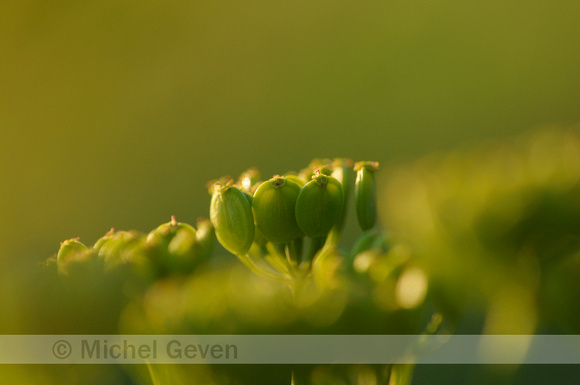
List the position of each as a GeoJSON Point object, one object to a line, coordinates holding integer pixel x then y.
{"type": "Point", "coordinates": [286, 208]}
{"type": "Point", "coordinates": [172, 248]}
{"type": "Point", "coordinates": [273, 218]}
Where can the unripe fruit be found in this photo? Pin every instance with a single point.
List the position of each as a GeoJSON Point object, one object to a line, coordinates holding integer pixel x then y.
{"type": "Point", "coordinates": [174, 245]}
{"type": "Point", "coordinates": [258, 236]}
{"type": "Point", "coordinates": [102, 242]}
{"type": "Point", "coordinates": [127, 252]}
{"type": "Point", "coordinates": [70, 252]}
{"type": "Point", "coordinates": [365, 193]}
{"type": "Point", "coordinates": [178, 237]}
{"type": "Point", "coordinates": [319, 205]}
{"type": "Point", "coordinates": [231, 216]}
{"type": "Point", "coordinates": [119, 247]}
{"type": "Point", "coordinates": [274, 209]}
{"type": "Point", "coordinates": [342, 171]}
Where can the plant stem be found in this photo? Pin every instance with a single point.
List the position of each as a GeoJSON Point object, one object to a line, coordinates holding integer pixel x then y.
{"type": "Point", "coordinates": [294, 250]}
{"type": "Point", "coordinates": [277, 260]}
{"type": "Point", "coordinates": [315, 245]}
{"type": "Point", "coordinates": [260, 270]}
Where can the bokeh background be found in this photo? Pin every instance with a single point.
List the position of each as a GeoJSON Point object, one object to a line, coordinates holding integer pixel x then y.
{"type": "Point", "coordinates": [116, 113]}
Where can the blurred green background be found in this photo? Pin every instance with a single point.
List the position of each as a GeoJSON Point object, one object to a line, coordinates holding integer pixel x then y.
{"type": "Point", "coordinates": [116, 113]}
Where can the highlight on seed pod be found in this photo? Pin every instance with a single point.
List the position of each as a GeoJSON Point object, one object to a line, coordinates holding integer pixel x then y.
{"type": "Point", "coordinates": [274, 207]}
{"type": "Point", "coordinates": [365, 193]}
{"type": "Point", "coordinates": [319, 205]}
{"type": "Point", "coordinates": [232, 218]}
{"type": "Point", "coordinates": [248, 180]}
{"type": "Point", "coordinates": [222, 181]}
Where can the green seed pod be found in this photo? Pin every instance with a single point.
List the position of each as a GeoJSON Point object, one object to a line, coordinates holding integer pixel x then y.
{"type": "Point", "coordinates": [119, 247]}
{"type": "Point", "coordinates": [70, 249]}
{"type": "Point", "coordinates": [274, 209]}
{"type": "Point", "coordinates": [342, 171]}
{"type": "Point", "coordinates": [248, 196]}
{"type": "Point", "coordinates": [115, 247]}
{"type": "Point", "coordinates": [258, 236]}
{"type": "Point", "coordinates": [179, 237]}
{"type": "Point", "coordinates": [102, 242]}
{"type": "Point", "coordinates": [365, 193]}
{"type": "Point", "coordinates": [71, 252]}
{"type": "Point", "coordinates": [231, 216]}
{"type": "Point", "coordinates": [319, 205]}
{"type": "Point", "coordinates": [175, 246]}
{"type": "Point", "coordinates": [128, 251]}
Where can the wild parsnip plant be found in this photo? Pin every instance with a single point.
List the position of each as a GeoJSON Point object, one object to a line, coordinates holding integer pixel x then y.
{"type": "Point", "coordinates": [286, 231]}
{"type": "Point", "coordinates": [492, 232]}
{"type": "Point", "coordinates": [284, 228]}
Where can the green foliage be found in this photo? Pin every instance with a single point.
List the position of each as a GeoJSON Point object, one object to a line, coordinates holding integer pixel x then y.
{"type": "Point", "coordinates": [494, 227]}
